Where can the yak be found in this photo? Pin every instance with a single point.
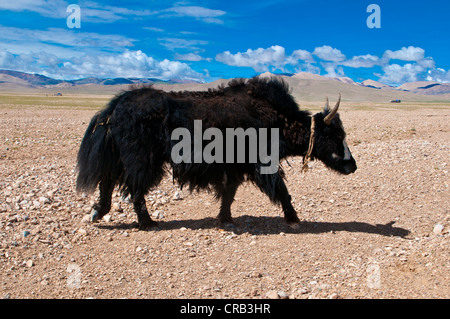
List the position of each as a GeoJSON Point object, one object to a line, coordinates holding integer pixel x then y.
{"type": "Point", "coordinates": [129, 144]}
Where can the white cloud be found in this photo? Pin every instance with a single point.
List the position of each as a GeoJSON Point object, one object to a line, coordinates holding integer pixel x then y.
{"type": "Point", "coordinates": [260, 59]}
{"type": "Point", "coordinates": [307, 67]}
{"type": "Point", "coordinates": [427, 62]}
{"type": "Point", "coordinates": [438, 75]}
{"type": "Point", "coordinates": [194, 57]}
{"type": "Point", "coordinates": [153, 29]}
{"type": "Point", "coordinates": [47, 8]}
{"type": "Point", "coordinates": [421, 67]}
{"type": "Point", "coordinates": [300, 55]}
{"type": "Point", "coordinates": [179, 43]}
{"type": "Point", "coordinates": [405, 54]}
{"type": "Point", "coordinates": [333, 69]}
{"type": "Point", "coordinates": [19, 40]}
{"type": "Point", "coordinates": [397, 74]}
{"type": "Point", "coordinates": [199, 13]}
{"type": "Point", "coordinates": [416, 66]}
{"type": "Point", "coordinates": [362, 61]}
{"type": "Point", "coordinates": [126, 64]}
{"type": "Point", "coordinates": [90, 11]}
{"type": "Point", "coordinates": [328, 53]}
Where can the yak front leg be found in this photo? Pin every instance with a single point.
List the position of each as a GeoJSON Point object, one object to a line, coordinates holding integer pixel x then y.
{"type": "Point", "coordinates": [140, 208]}
{"type": "Point", "coordinates": [274, 186]}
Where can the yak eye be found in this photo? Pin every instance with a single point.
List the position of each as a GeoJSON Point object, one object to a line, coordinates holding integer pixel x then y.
{"type": "Point", "coordinates": [340, 136]}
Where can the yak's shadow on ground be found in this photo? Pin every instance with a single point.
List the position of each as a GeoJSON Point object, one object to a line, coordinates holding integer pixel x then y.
{"type": "Point", "coordinates": [263, 225]}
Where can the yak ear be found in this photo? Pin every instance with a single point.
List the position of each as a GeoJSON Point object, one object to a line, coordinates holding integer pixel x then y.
{"type": "Point", "coordinates": [326, 108]}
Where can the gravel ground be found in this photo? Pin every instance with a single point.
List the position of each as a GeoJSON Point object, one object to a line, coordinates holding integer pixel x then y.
{"type": "Point", "coordinates": [382, 232]}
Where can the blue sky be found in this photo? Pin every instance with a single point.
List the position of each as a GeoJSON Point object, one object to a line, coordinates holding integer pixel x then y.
{"type": "Point", "coordinates": [208, 40]}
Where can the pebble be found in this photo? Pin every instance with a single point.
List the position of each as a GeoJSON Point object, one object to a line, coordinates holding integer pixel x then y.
{"type": "Point", "coordinates": [117, 207]}
{"type": "Point", "coordinates": [158, 214]}
{"type": "Point", "coordinates": [303, 291]}
{"type": "Point", "coordinates": [438, 229]}
{"type": "Point", "coordinates": [44, 200]}
{"type": "Point", "coordinates": [177, 196]}
{"type": "Point", "coordinates": [86, 219]}
{"type": "Point", "coordinates": [272, 294]}
{"type": "Point", "coordinates": [282, 294]}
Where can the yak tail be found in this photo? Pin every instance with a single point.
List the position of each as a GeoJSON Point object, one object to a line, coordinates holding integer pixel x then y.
{"type": "Point", "coordinates": [98, 159]}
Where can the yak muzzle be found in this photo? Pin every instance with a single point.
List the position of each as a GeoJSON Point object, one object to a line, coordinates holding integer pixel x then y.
{"type": "Point", "coordinates": [348, 166]}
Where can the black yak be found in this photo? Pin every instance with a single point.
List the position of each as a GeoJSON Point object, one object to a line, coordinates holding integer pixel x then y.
{"type": "Point", "coordinates": [130, 143]}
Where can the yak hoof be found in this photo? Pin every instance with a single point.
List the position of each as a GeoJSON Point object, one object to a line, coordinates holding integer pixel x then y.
{"type": "Point", "coordinates": [153, 226]}
{"type": "Point", "coordinates": [94, 216]}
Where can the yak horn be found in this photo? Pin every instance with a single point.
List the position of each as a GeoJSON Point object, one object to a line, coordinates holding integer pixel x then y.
{"type": "Point", "coordinates": [330, 116]}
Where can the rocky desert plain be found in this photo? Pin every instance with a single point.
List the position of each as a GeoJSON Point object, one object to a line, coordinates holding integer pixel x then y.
{"type": "Point", "coordinates": [382, 232]}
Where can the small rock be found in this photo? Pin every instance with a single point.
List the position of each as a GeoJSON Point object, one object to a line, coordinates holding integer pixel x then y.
{"type": "Point", "coordinates": [26, 233]}
{"type": "Point", "coordinates": [177, 196]}
{"type": "Point", "coordinates": [29, 263]}
{"type": "Point", "coordinates": [44, 200]}
{"type": "Point", "coordinates": [158, 214]}
{"type": "Point", "coordinates": [438, 229]}
{"type": "Point", "coordinates": [303, 291]}
{"type": "Point", "coordinates": [255, 274]}
{"type": "Point", "coordinates": [82, 231]}
{"type": "Point", "coordinates": [117, 207]}
{"type": "Point", "coordinates": [272, 294]}
{"type": "Point", "coordinates": [282, 294]}
{"type": "Point", "coordinates": [86, 219]}
{"type": "Point", "coordinates": [107, 218]}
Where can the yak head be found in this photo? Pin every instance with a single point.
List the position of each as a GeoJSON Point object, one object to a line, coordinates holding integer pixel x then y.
{"type": "Point", "coordinates": [330, 145]}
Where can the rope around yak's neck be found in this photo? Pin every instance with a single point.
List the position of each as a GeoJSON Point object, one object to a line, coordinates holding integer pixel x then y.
{"type": "Point", "coordinates": [307, 157]}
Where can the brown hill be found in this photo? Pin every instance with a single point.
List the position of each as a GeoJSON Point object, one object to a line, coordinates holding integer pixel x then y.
{"type": "Point", "coordinates": [305, 87]}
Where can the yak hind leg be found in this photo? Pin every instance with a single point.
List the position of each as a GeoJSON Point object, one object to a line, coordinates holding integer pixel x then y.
{"type": "Point", "coordinates": [226, 194]}
{"type": "Point", "coordinates": [103, 205]}
{"type": "Point", "coordinates": [144, 220]}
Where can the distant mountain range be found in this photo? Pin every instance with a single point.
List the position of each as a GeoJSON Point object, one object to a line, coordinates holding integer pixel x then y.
{"type": "Point", "coordinates": [37, 80]}
{"type": "Point", "coordinates": [420, 87]}
{"type": "Point", "coordinates": [305, 86]}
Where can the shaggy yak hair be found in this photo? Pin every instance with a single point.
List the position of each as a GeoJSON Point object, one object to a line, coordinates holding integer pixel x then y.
{"type": "Point", "coordinates": [129, 143]}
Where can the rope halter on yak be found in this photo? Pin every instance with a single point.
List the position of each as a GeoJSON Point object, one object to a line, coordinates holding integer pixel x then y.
{"type": "Point", "coordinates": [307, 157]}
{"type": "Point", "coordinates": [327, 120]}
